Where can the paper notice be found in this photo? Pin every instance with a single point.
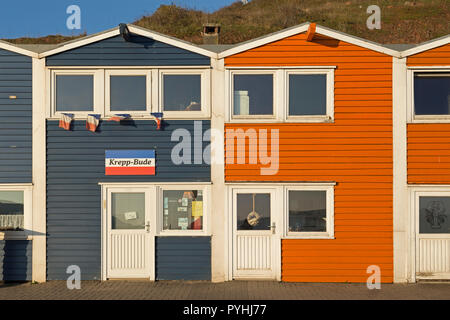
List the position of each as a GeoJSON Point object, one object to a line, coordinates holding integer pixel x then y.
{"type": "Point", "coordinates": [197, 208]}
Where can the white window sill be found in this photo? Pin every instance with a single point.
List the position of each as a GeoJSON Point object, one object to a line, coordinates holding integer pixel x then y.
{"type": "Point", "coordinates": [138, 117]}
{"type": "Point", "coordinates": [15, 235]}
{"type": "Point", "coordinates": [184, 233]}
{"type": "Point", "coordinates": [431, 119]}
{"type": "Point", "coordinates": [309, 119]}
{"type": "Point", "coordinates": [309, 236]}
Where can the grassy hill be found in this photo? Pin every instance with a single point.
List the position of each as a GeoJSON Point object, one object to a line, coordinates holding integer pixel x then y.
{"type": "Point", "coordinates": [401, 21]}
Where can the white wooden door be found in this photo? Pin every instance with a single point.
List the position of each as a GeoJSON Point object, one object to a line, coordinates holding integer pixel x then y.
{"type": "Point", "coordinates": [129, 233]}
{"type": "Point", "coordinates": [432, 235]}
{"type": "Point", "coordinates": [256, 241]}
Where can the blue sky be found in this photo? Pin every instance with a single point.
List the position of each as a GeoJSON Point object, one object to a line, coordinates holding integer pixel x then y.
{"type": "Point", "coordinates": [32, 18]}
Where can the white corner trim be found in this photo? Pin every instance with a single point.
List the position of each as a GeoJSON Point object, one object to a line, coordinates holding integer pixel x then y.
{"type": "Point", "coordinates": [426, 46]}
{"type": "Point", "coordinates": [13, 48]}
{"type": "Point", "coordinates": [400, 190]}
{"type": "Point", "coordinates": [39, 172]}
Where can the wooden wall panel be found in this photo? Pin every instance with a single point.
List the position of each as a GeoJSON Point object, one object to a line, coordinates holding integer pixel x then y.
{"type": "Point", "coordinates": [429, 143]}
{"type": "Point", "coordinates": [355, 151]}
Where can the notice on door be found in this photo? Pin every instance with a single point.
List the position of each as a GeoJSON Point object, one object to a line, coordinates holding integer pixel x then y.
{"type": "Point", "coordinates": [129, 162]}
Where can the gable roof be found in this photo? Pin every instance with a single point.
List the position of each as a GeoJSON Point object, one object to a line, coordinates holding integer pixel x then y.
{"type": "Point", "coordinates": [428, 45]}
{"type": "Point", "coordinates": [15, 48]}
{"type": "Point", "coordinates": [133, 29]}
{"type": "Point", "coordinates": [244, 46]}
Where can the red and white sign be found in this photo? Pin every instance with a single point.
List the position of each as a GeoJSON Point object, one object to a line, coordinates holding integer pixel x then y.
{"type": "Point", "coordinates": [129, 162]}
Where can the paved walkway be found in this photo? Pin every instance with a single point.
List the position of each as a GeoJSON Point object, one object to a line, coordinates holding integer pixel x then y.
{"type": "Point", "coordinates": [234, 290]}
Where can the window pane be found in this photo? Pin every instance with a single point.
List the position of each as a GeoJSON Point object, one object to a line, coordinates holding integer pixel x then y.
{"type": "Point", "coordinates": [182, 93]}
{"type": "Point", "coordinates": [128, 210]}
{"type": "Point", "coordinates": [74, 93]}
{"type": "Point", "coordinates": [307, 94]}
{"type": "Point", "coordinates": [253, 94]}
{"type": "Point", "coordinates": [128, 93]}
{"type": "Point", "coordinates": [11, 210]}
{"type": "Point", "coordinates": [183, 209]}
{"type": "Point", "coordinates": [434, 214]}
{"type": "Point", "coordinates": [307, 211]}
{"type": "Point", "coordinates": [253, 211]}
{"type": "Point", "coordinates": [431, 94]}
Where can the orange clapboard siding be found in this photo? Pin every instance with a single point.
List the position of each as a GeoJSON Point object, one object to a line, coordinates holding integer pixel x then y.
{"type": "Point", "coordinates": [355, 151]}
{"type": "Point", "coordinates": [429, 143]}
{"type": "Point", "coordinates": [429, 153]}
{"type": "Point", "coordinates": [439, 56]}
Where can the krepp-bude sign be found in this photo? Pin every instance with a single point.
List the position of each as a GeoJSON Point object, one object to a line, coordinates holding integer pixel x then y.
{"type": "Point", "coordinates": [129, 162]}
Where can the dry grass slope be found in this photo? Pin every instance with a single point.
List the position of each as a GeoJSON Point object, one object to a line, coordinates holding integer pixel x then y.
{"type": "Point", "coordinates": [411, 21]}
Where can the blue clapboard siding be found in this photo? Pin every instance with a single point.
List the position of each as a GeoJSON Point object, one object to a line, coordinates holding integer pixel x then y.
{"type": "Point", "coordinates": [183, 258]}
{"type": "Point", "coordinates": [140, 51]}
{"type": "Point", "coordinates": [75, 165]}
{"type": "Point", "coordinates": [15, 260]}
{"type": "Point", "coordinates": [15, 118]}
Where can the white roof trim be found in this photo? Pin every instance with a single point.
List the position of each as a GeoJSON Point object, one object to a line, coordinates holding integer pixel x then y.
{"type": "Point", "coordinates": [264, 40]}
{"type": "Point", "coordinates": [172, 41]}
{"type": "Point", "coordinates": [427, 46]}
{"type": "Point", "coordinates": [81, 42]}
{"type": "Point", "coordinates": [357, 41]}
{"type": "Point", "coordinates": [133, 29]}
{"type": "Point", "coordinates": [11, 47]}
{"type": "Point", "coordinates": [303, 28]}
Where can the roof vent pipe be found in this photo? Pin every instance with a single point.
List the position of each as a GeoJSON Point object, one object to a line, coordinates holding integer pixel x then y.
{"type": "Point", "coordinates": [124, 32]}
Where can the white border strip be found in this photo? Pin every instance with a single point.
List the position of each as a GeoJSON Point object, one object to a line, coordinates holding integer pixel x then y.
{"type": "Point", "coordinates": [13, 48]}
{"type": "Point", "coordinates": [426, 46]}
{"type": "Point", "coordinates": [303, 28]}
{"type": "Point", "coordinates": [133, 29]}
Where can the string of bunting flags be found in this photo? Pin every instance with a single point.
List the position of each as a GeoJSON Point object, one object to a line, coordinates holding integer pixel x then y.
{"type": "Point", "coordinates": [93, 120]}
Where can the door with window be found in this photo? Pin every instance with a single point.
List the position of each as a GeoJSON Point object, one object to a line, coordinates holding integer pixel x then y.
{"type": "Point", "coordinates": [130, 233]}
{"type": "Point", "coordinates": [256, 235]}
{"type": "Point", "coordinates": [432, 235]}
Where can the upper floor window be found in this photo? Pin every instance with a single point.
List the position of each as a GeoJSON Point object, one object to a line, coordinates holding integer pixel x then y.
{"type": "Point", "coordinates": [253, 95]}
{"type": "Point", "coordinates": [178, 93]}
{"type": "Point", "coordinates": [128, 91]}
{"type": "Point", "coordinates": [428, 97]}
{"type": "Point", "coordinates": [74, 92]}
{"type": "Point", "coordinates": [308, 95]}
{"type": "Point", "coordinates": [285, 94]}
{"type": "Point", "coordinates": [431, 93]}
{"type": "Point", "coordinates": [184, 94]}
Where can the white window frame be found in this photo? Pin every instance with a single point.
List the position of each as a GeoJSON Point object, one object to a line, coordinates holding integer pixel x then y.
{"type": "Point", "coordinates": [128, 72]}
{"type": "Point", "coordinates": [206, 190]}
{"type": "Point", "coordinates": [27, 212]}
{"type": "Point", "coordinates": [329, 116]}
{"type": "Point", "coordinates": [253, 118]}
{"type": "Point", "coordinates": [205, 88]}
{"type": "Point", "coordinates": [98, 91]}
{"type": "Point", "coordinates": [412, 118]}
{"type": "Point", "coordinates": [329, 233]}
